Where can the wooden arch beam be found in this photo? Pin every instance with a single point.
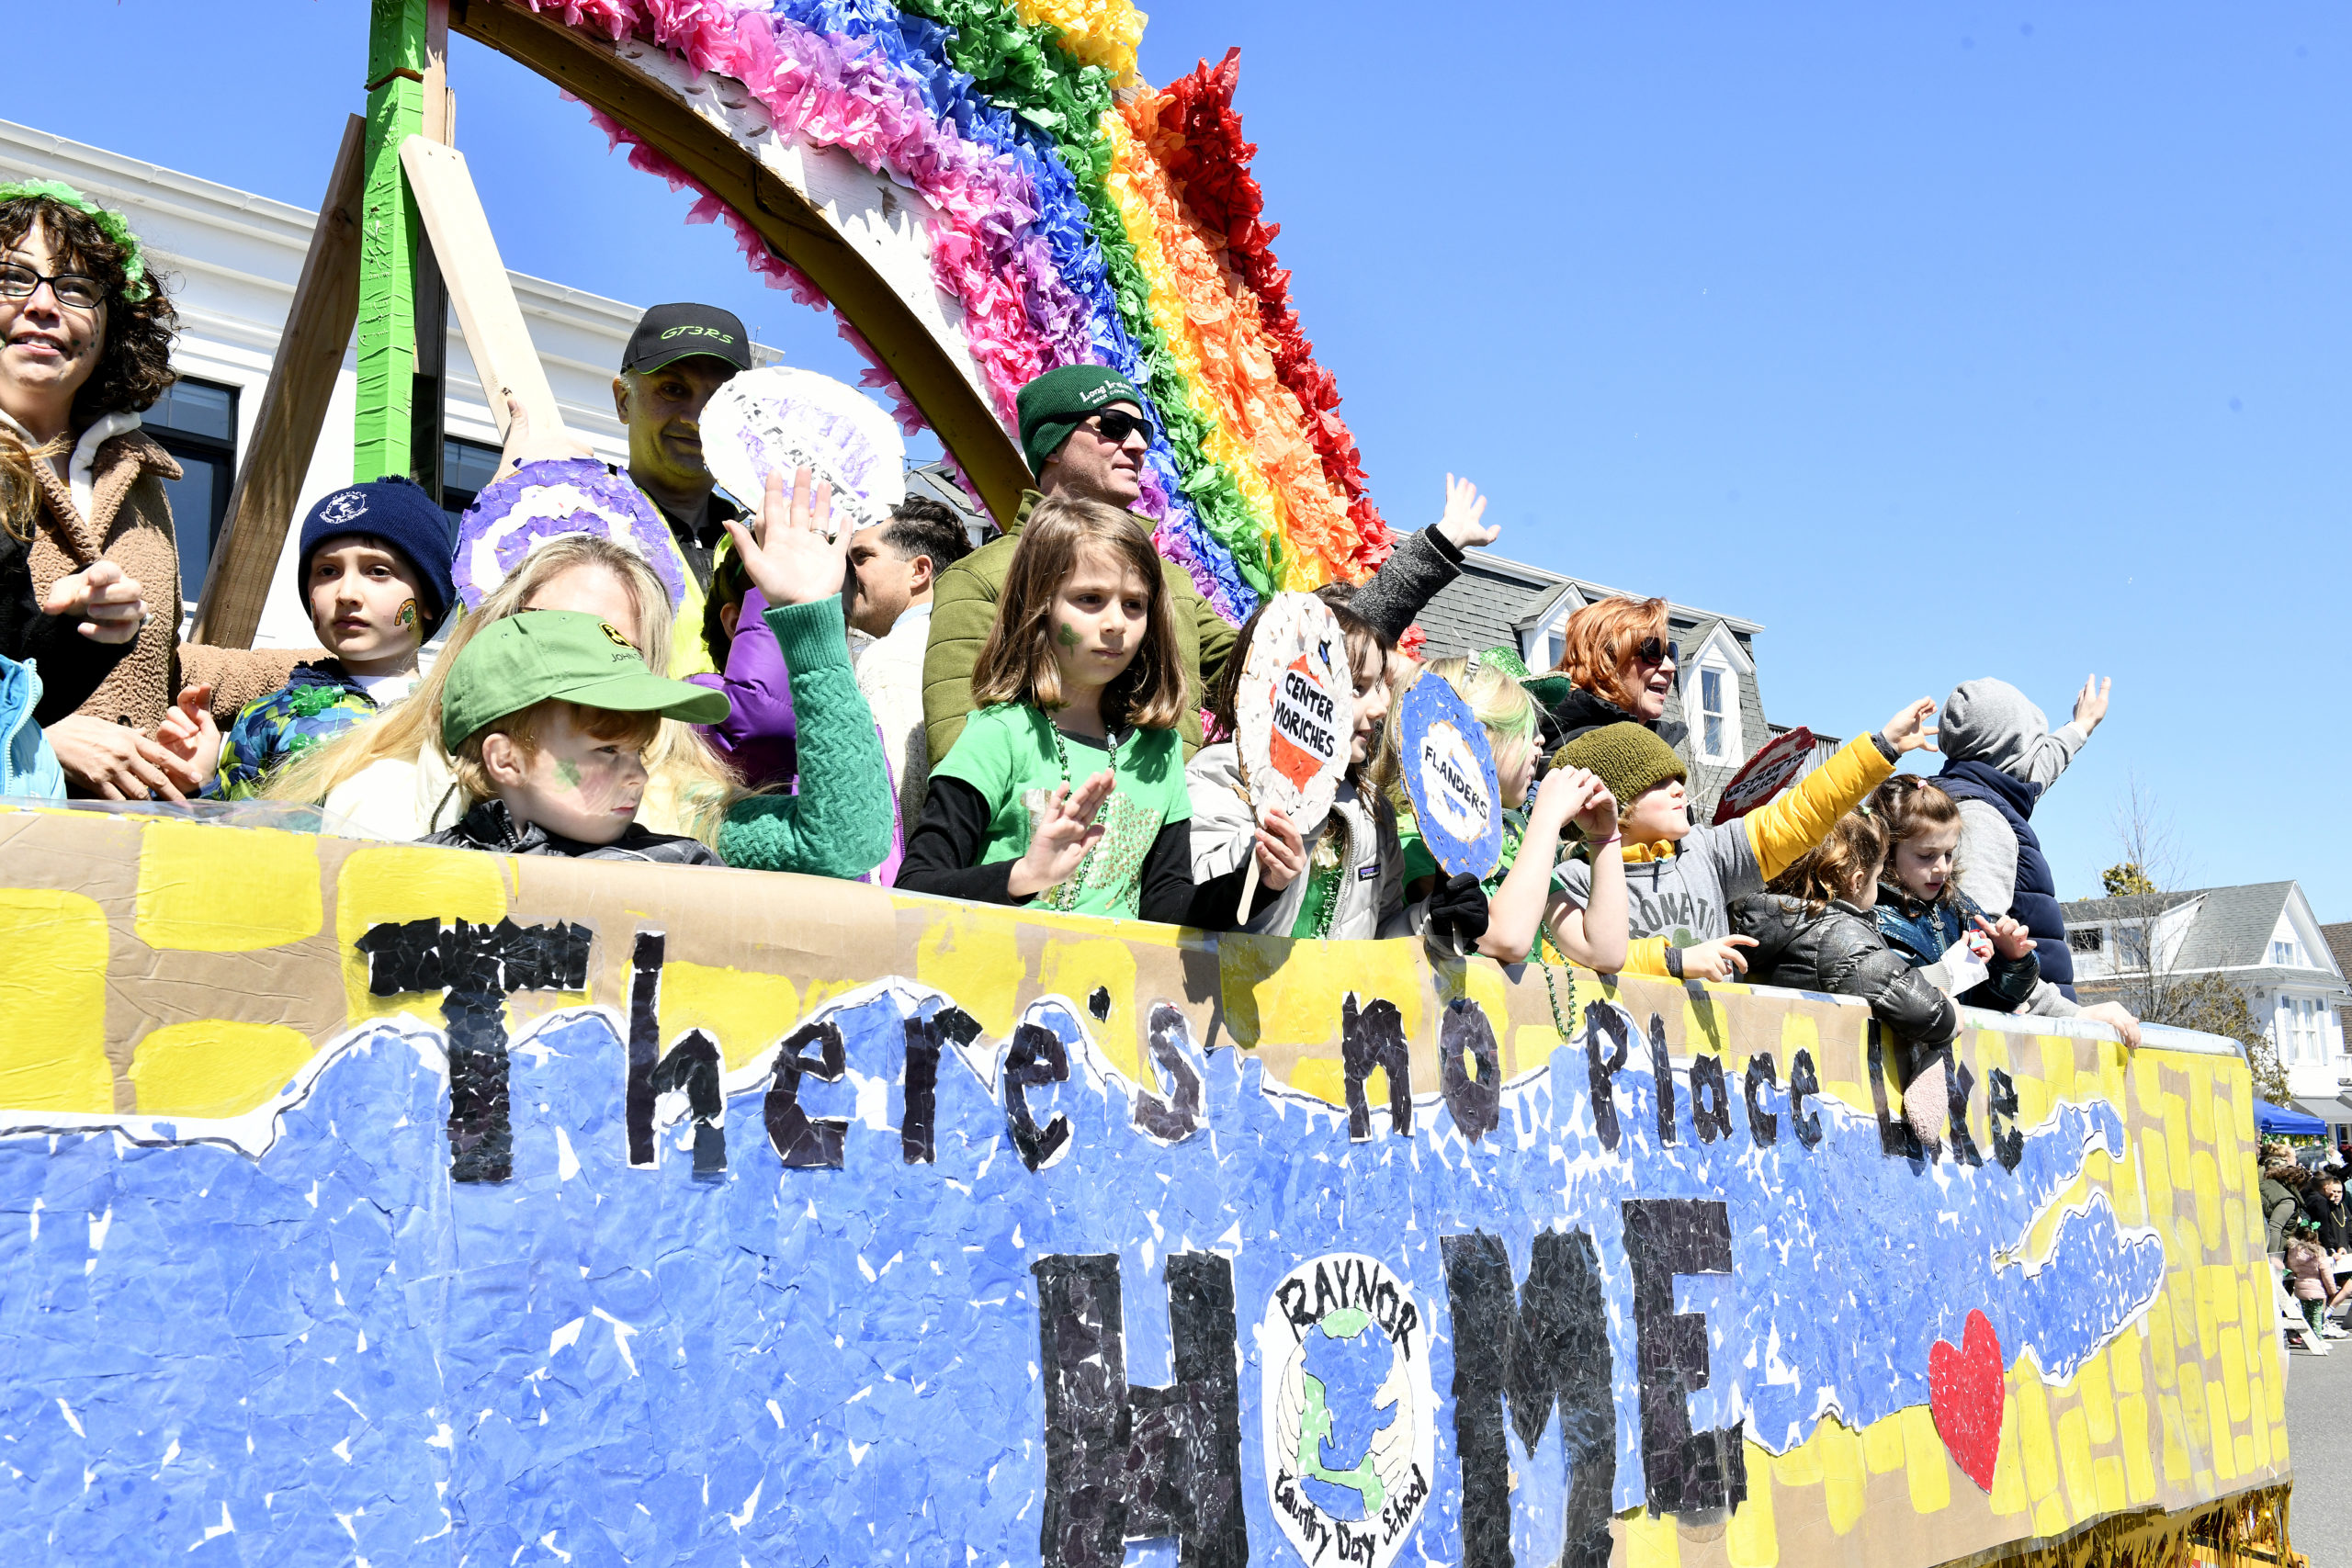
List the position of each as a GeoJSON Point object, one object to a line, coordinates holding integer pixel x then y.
{"type": "Point", "coordinates": [859, 236]}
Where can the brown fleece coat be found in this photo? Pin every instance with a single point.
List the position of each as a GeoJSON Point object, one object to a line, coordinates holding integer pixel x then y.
{"type": "Point", "coordinates": [132, 528]}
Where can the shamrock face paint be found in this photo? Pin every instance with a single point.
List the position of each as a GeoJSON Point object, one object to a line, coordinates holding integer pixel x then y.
{"type": "Point", "coordinates": [365, 605]}
{"type": "Point", "coordinates": [1068, 636]}
{"type": "Point", "coordinates": [585, 776]}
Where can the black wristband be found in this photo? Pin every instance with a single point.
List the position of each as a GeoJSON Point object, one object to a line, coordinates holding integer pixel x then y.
{"type": "Point", "coordinates": [1674, 962]}
{"type": "Point", "coordinates": [1885, 747]}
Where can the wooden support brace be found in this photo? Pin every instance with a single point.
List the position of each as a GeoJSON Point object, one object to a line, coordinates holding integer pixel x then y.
{"type": "Point", "coordinates": [487, 312]}
{"type": "Point", "coordinates": [293, 410]}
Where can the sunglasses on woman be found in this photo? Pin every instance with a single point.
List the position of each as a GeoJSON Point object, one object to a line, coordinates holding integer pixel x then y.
{"type": "Point", "coordinates": [1654, 651]}
{"type": "Point", "coordinates": [1115, 425]}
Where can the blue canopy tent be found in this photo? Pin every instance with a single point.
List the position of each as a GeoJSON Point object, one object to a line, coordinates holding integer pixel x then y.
{"type": "Point", "coordinates": [2278, 1121]}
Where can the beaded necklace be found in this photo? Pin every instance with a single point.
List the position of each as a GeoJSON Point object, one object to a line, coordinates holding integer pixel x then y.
{"type": "Point", "coordinates": [1063, 895]}
{"type": "Point", "coordinates": [1335, 828]}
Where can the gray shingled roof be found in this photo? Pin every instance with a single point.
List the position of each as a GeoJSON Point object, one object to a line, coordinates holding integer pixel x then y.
{"type": "Point", "coordinates": [2339, 943]}
{"type": "Point", "coordinates": [2230, 932]}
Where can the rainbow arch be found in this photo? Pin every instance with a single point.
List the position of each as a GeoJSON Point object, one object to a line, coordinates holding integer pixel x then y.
{"type": "Point", "coordinates": [1069, 213]}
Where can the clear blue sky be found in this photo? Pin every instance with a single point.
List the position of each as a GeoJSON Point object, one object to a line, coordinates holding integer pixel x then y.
{"type": "Point", "coordinates": [1944, 340]}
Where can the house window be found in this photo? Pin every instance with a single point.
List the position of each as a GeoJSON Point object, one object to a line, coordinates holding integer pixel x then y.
{"type": "Point", "coordinates": [2087, 939]}
{"type": "Point", "coordinates": [2132, 946]}
{"type": "Point", "coordinates": [2288, 954]}
{"type": "Point", "coordinates": [466, 470]}
{"type": "Point", "coordinates": [196, 422]}
{"type": "Point", "coordinates": [1715, 713]}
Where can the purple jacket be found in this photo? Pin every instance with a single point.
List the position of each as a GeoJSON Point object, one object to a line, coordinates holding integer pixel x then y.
{"type": "Point", "coordinates": [756, 736]}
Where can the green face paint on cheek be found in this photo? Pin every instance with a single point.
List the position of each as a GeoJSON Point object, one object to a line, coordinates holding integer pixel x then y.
{"type": "Point", "coordinates": [1068, 637]}
{"type": "Point", "coordinates": [406, 616]}
{"type": "Point", "coordinates": [569, 773]}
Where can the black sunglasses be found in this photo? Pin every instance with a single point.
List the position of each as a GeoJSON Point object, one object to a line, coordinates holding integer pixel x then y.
{"type": "Point", "coordinates": [1117, 424]}
{"type": "Point", "coordinates": [1653, 651]}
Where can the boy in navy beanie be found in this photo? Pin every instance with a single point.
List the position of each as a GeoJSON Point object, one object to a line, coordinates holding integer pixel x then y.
{"type": "Point", "coordinates": [373, 568]}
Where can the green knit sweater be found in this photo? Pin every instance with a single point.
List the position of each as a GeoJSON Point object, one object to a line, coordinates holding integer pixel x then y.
{"type": "Point", "coordinates": [839, 824]}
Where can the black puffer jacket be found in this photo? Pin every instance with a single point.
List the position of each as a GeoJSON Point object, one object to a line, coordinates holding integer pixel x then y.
{"type": "Point", "coordinates": [489, 826]}
{"type": "Point", "coordinates": [1836, 948]}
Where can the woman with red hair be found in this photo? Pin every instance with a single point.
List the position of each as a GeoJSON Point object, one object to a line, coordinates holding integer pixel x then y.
{"type": "Point", "coordinates": [1619, 667]}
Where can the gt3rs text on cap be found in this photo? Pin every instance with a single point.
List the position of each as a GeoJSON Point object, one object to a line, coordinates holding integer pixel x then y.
{"type": "Point", "coordinates": [514, 663]}
{"type": "Point", "coordinates": [667, 333]}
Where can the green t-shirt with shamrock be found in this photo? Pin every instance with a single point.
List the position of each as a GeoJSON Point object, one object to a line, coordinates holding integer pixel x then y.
{"type": "Point", "coordinates": [1007, 753]}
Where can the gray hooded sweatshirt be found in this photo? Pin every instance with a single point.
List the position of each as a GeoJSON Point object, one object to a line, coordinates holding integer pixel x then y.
{"type": "Point", "coordinates": [1992, 722]}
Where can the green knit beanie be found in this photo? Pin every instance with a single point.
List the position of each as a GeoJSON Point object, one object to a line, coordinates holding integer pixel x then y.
{"type": "Point", "coordinates": [1060, 400]}
{"type": "Point", "coordinates": [1630, 758]}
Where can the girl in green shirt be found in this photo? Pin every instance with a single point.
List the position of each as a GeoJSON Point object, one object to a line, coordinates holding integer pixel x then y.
{"type": "Point", "coordinates": [1065, 790]}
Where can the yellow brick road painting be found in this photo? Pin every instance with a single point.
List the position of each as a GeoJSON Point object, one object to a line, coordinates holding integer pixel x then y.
{"type": "Point", "coordinates": [398, 1201]}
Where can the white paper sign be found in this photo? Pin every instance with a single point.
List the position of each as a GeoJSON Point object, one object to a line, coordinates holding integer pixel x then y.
{"type": "Point", "coordinates": [1297, 719]}
{"type": "Point", "coordinates": [782, 418]}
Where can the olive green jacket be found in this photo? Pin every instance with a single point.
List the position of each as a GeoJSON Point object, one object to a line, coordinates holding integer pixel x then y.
{"type": "Point", "coordinates": [963, 608]}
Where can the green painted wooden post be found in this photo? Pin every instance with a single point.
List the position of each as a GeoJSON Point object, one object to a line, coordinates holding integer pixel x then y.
{"type": "Point", "coordinates": [389, 231]}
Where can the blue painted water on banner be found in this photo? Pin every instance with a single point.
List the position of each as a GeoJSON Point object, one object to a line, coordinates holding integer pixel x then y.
{"type": "Point", "coordinates": [327, 1352]}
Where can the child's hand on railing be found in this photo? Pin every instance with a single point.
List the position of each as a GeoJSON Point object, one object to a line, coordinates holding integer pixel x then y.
{"type": "Point", "coordinates": [1718, 960]}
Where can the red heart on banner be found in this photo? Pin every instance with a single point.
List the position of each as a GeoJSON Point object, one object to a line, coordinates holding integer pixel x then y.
{"type": "Point", "coordinates": [1966, 1389]}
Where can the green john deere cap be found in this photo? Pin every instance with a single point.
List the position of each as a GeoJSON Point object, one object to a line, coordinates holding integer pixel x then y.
{"type": "Point", "coordinates": [511, 664]}
{"type": "Point", "coordinates": [666, 333]}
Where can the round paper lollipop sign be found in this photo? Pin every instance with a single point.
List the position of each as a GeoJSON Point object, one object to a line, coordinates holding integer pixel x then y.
{"type": "Point", "coordinates": [1450, 774]}
{"type": "Point", "coordinates": [781, 419]}
{"type": "Point", "coordinates": [1297, 715]}
{"type": "Point", "coordinates": [547, 501]}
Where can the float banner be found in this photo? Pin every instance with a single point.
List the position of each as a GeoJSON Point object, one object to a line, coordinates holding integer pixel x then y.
{"type": "Point", "coordinates": [383, 1203]}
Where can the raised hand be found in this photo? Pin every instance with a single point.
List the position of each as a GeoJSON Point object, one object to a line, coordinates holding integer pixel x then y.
{"type": "Point", "coordinates": [1464, 509]}
{"type": "Point", "coordinates": [190, 741]}
{"type": "Point", "coordinates": [112, 606]}
{"type": "Point", "coordinates": [795, 557]}
{"type": "Point", "coordinates": [2010, 939]}
{"type": "Point", "coordinates": [1718, 960]}
{"type": "Point", "coordinates": [1913, 727]}
{"type": "Point", "coordinates": [2090, 703]}
{"type": "Point", "coordinates": [1282, 853]}
{"type": "Point", "coordinates": [1065, 829]}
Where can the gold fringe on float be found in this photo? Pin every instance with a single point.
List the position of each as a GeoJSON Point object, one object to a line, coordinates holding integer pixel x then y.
{"type": "Point", "coordinates": [2247, 1531]}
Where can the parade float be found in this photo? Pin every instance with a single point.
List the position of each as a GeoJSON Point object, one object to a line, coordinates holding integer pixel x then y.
{"type": "Point", "coordinates": [370, 1203]}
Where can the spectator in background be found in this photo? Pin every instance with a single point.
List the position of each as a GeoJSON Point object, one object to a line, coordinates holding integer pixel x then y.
{"type": "Point", "coordinates": [893, 568]}
{"type": "Point", "coordinates": [1619, 667]}
{"type": "Point", "coordinates": [1999, 755]}
{"type": "Point", "coordinates": [2282, 1196]}
{"type": "Point", "coordinates": [1085, 432]}
{"type": "Point", "coordinates": [2324, 1202]}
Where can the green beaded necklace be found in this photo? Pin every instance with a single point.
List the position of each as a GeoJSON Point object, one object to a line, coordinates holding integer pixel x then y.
{"type": "Point", "coordinates": [1063, 896]}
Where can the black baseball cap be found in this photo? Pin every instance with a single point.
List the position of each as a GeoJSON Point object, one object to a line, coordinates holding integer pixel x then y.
{"type": "Point", "coordinates": [666, 333]}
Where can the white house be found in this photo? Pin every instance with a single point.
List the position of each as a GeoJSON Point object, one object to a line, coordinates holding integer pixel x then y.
{"type": "Point", "coordinates": [2265, 939]}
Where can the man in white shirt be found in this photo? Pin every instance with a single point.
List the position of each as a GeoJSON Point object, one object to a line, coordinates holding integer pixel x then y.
{"type": "Point", "coordinates": [895, 564]}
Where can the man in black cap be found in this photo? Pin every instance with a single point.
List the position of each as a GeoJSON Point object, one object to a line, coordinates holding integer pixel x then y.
{"type": "Point", "coordinates": [677, 358]}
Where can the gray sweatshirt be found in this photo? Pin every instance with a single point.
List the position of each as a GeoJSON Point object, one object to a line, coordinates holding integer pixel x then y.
{"type": "Point", "coordinates": [1992, 722]}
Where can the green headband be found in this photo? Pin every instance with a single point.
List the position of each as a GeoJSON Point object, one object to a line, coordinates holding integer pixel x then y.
{"type": "Point", "coordinates": [110, 223]}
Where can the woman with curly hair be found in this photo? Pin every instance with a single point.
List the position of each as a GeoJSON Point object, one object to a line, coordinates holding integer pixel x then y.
{"type": "Point", "coordinates": [89, 575]}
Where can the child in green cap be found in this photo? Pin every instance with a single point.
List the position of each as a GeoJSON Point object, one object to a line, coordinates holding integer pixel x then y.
{"type": "Point", "coordinates": [547, 715]}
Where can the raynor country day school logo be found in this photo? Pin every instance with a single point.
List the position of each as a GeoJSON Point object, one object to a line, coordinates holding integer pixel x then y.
{"type": "Point", "coordinates": [1350, 1417]}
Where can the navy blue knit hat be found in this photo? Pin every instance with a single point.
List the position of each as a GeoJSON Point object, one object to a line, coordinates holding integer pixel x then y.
{"type": "Point", "coordinates": [398, 512]}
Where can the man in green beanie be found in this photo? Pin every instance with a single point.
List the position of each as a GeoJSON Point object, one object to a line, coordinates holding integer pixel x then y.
{"type": "Point", "coordinates": [1084, 431]}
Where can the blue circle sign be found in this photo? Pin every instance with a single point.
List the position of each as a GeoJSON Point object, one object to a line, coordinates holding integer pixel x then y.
{"type": "Point", "coordinates": [1450, 774]}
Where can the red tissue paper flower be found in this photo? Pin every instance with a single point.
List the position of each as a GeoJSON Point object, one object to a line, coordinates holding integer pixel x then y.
{"type": "Point", "coordinates": [1206, 157]}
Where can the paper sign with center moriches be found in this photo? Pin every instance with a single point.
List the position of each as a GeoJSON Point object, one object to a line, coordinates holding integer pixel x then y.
{"type": "Point", "coordinates": [781, 419]}
{"type": "Point", "coordinates": [1450, 775]}
{"type": "Point", "coordinates": [1297, 713]}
